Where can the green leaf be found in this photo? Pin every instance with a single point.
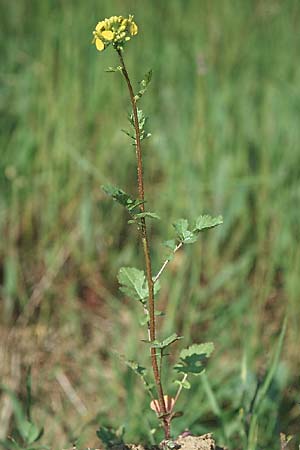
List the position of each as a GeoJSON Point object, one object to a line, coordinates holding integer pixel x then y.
{"type": "Point", "coordinates": [133, 283]}
{"type": "Point", "coordinates": [183, 233]}
{"type": "Point", "coordinates": [263, 390]}
{"type": "Point", "coordinates": [29, 431]}
{"type": "Point", "coordinates": [207, 221]}
{"type": "Point", "coordinates": [144, 84]}
{"type": "Point", "coordinates": [166, 342]}
{"type": "Point", "coordinates": [19, 414]}
{"type": "Point", "coordinates": [137, 369]}
{"type": "Point", "coordinates": [185, 384]}
{"type": "Point", "coordinates": [132, 136]}
{"type": "Point", "coordinates": [28, 401]}
{"type": "Point", "coordinates": [149, 214]}
{"type": "Point", "coordinates": [170, 244]}
{"type": "Point", "coordinates": [114, 69]}
{"type": "Point", "coordinates": [109, 436]}
{"type": "Point", "coordinates": [146, 317]}
{"type": "Point", "coordinates": [9, 445]}
{"type": "Point", "coordinates": [194, 358]}
{"type": "Point", "coordinates": [123, 198]}
{"type": "Point", "coordinates": [142, 119]}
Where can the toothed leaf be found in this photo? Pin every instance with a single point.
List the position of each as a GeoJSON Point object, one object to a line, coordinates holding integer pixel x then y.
{"type": "Point", "coordinates": [185, 384]}
{"type": "Point", "coordinates": [114, 69]}
{"type": "Point", "coordinates": [133, 283]}
{"type": "Point", "coordinates": [110, 437]}
{"type": "Point", "coordinates": [151, 215]}
{"type": "Point", "coordinates": [183, 233]}
{"type": "Point", "coordinates": [166, 342]}
{"type": "Point", "coordinates": [207, 221]}
{"type": "Point", "coordinates": [193, 359]}
{"type": "Point", "coordinates": [146, 317]}
{"type": "Point", "coordinates": [144, 84]}
{"type": "Point", "coordinates": [124, 199]}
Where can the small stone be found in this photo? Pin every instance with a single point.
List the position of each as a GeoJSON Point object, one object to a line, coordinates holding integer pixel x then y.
{"type": "Point", "coordinates": [204, 442]}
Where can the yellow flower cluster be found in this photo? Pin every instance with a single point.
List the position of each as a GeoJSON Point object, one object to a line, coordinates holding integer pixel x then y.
{"type": "Point", "coordinates": [116, 31]}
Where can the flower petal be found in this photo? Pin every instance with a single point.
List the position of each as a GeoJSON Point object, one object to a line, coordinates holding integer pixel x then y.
{"type": "Point", "coordinates": [108, 35]}
{"type": "Point", "coordinates": [99, 44]}
{"type": "Point", "coordinates": [133, 29]}
{"type": "Point", "coordinates": [100, 25]}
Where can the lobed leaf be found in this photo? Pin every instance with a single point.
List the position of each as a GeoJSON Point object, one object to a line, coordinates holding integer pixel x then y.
{"type": "Point", "coordinates": [138, 370]}
{"type": "Point", "coordinates": [110, 437]}
{"type": "Point", "coordinates": [142, 120]}
{"type": "Point", "coordinates": [133, 283]}
{"type": "Point", "coordinates": [183, 233]}
{"type": "Point", "coordinates": [114, 69]}
{"type": "Point", "coordinates": [132, 136]}
{"type": "Point", "coordinates": [166, 342]}
{"type": "Point", "coordinates": [170, 244]}
{"type": "Point", "coordinates": [207, 221]}
{"type": "Point", "coordinates": [151, 215]}
{"type": "Point", "coordinates": [185, 384]}
{"type": "Point", "coordinates": [146, 317]}
{"type": "Point", "coordinates": [124, 199]}
{"type": "Point", "coordinates": [144, 84]}
{"type": "Point", "coordinates": [193, 359]}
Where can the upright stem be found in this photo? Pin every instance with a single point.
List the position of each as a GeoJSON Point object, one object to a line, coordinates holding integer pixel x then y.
{"type": "Point", "coordinates": [146, 249]}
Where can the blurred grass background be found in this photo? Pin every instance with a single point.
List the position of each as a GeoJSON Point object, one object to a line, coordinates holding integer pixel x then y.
{"type": "Point", "coordinates": [224, 110]}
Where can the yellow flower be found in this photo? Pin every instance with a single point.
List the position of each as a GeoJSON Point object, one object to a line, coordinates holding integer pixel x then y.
{"type": "Point", "coordinates": [99, 44]}
{"type": "Point", "coordinates": [100, 26]}
{"type": "Point", "coordinates": [116, 30]}
{"type": "Point", "coordinates": [108, 35]}
{"type": "Point", "coordinates": [133, 28]}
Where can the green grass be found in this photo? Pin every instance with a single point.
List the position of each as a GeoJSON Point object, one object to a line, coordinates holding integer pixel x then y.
{"type": "Point", "coordinates": [224, 113]}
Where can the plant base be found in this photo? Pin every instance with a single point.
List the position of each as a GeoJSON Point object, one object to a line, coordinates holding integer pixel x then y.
{"type": "Point", "coordinates": [204, 442]}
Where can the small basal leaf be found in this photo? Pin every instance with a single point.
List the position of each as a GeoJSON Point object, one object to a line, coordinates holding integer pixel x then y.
{"type": "Point", "coordinates": [193, 359]}
{"type": "Point", "coordinates": [110, 437]}
{"type": "Point", "coordinates": [30, 432]}
{"type": "Point", "coordinates": [207, 221]}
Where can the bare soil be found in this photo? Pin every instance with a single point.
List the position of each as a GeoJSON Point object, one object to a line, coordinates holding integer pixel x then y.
{"type": "Point", "coordinates": [204, 442]}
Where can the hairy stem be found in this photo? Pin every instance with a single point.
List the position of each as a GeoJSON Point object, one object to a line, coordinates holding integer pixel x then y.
{"type": "Point", "coordinates": [146, 249]}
